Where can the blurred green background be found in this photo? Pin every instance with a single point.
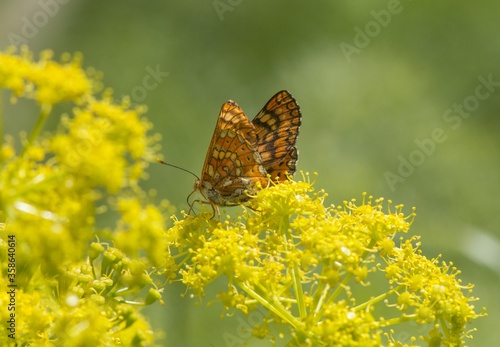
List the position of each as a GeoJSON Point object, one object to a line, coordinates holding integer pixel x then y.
{"type": "Point", "coordinates": [376, 81]}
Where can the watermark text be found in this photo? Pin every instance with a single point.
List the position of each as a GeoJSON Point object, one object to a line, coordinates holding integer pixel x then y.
{"type": "Point", "coordinates": [453, 117]}
{"type": "Point", "coordinates": [223, 6]}
{"type": "Point", "coordinates": [11, 286]}
{"type": "Point", "coordinates": [31, 25]}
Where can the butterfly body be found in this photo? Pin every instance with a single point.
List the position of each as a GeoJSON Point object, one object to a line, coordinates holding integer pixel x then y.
{"type": "Point", "coordinates": [243, 154]}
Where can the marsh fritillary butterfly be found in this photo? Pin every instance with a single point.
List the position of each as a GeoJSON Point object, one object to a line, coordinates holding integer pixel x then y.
{"type": "Point", "coordinates": [243, 153]}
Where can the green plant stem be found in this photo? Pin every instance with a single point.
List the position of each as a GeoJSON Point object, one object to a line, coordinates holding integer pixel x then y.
{"type": "Point", "coordinates": [377, 299]}
{"type": "Point", "coordinates": [340, 287]}
{"type": "Point", "coordinates": [348, 277]}
{"type": "Point", "coordinates": [444, 326]}
{"type": "Point", "coordinates": [395, 321]}
{"type": "Point", "coordinates": [274, 306]}
{"type": "Point", "coordinates": [44, 114]}
{"type": "Point", "coordinates": [323, 295]}
{"type": "Point", "coordinates": [295, 271]}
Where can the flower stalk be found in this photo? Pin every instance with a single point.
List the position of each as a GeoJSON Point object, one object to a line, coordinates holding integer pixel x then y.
{"type": "Point", "coordinates": [311, 267]}
{"type": "Point", "coordinates": [306, 264]}
{"type": "Point", "coordinates": [70, 288]}
{"type": "Point", "coordinates": [44, 114]}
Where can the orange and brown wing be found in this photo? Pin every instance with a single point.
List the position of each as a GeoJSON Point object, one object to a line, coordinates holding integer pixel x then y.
{"type": "Point", "coordinates": [232, 164]}
{"type": "Point", "coordinates": [276, 130]}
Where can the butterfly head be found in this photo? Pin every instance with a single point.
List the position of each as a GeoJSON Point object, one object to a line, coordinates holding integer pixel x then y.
{"type": "Point", "coordinates": [197, 185]}
{"type": "Point", "coordinates": [204, 188]}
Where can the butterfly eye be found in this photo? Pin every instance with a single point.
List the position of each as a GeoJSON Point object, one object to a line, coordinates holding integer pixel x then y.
{"type": "Point", "coordinates": [196, 185]}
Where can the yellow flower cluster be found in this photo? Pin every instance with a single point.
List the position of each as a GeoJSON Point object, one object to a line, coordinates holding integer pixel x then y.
{"type": "Point", "coordinates": [46, 81]}
{"type": "Point", "coordinates": [334, 275]}
{"type": "Point", "coordinates": [71, 289]}
{"type": "Point", "coordinates": [99, 140]}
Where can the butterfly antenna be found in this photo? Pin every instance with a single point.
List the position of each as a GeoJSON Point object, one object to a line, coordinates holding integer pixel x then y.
{"type": "Point", "coordinates": [177, 167]}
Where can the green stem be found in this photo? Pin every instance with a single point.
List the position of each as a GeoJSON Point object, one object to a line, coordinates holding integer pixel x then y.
{"type": "Point", "coordinates": [295, 271]}
{"type": "Point", "coordinates": [395, 321]}
{"type": "Point", "coordinates": [322, 297]}
{"type": "Point", "coordinates": [348, 277]}
{"type": "Point", "coordinates": [44, 114]}
{"type": "Point", "coordinates": [444, 326]}
{"type": "Point", "coordinates": [377, 299]}
{"type": "Point", "coordinates": [275, 307]}
{"type": "Point", "coordinates": [340, 287]}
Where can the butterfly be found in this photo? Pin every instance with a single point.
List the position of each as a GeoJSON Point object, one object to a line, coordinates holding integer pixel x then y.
{"type": "Point", "coordinates": [244, 154]}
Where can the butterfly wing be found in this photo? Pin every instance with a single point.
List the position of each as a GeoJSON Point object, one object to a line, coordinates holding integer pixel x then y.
{"type": "Point", "coordinates": [276, 130]}
{"type": "Point", "coordinates": [232, 164]}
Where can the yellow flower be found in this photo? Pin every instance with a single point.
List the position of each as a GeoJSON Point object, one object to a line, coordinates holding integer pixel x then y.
{"type": "Point", "coordinates": [335, 276]}
{"type": "Point", "coordinates": [46, 81]}
{"type": "Point", "coordinates": [98, 141]}
{"type": "Point", "coordinates": [51, 195]}
{"type": "Point", "coordinates": [310, 266]}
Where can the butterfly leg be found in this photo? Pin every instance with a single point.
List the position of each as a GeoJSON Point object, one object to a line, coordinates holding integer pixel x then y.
{"type": "Point", "coordinates": [215, 208]}
{"type": "Point", "coordinates": [253, 209]}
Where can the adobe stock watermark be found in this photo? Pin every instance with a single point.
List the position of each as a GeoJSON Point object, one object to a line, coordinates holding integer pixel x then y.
{"type": "Point", "coordinates": [91, 139]}
{"type": "Point", "coordinates": [453, 117]}
{"type": "Point", "coordinates": [363, 36]}
{"type": "Point", "coordinates": [150, 81]}
{"type": "Point", "coordinates": [245, 327]}
{"type": "Point", "coordinates": [30, 26]}
{"type": "Point", "coordinates": [223, 6]}
{"type": "Point", "coordinates": [11, 287]}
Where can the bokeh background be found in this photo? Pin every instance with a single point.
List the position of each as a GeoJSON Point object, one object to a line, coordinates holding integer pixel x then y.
{"type": "Point", "coordinates": [394, 94]}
